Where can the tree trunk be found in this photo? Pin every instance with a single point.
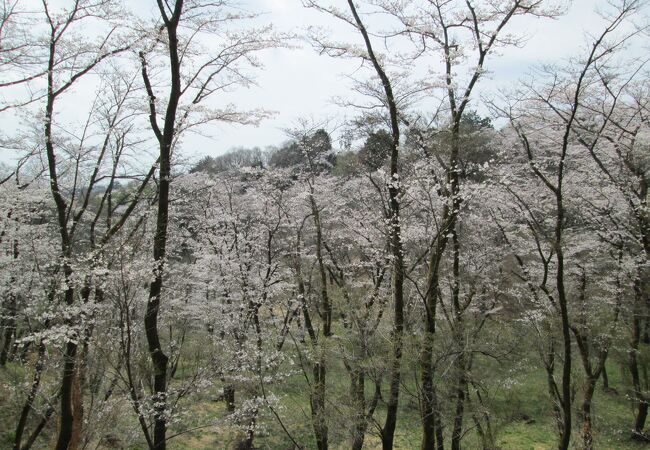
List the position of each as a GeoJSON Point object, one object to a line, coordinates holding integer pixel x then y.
{"type": "Point", "coordinates": [70, 350]}
{"type": "Point", "coordinates": [326, 306]}
{"type": "Point", "coordinates": [165, 139]}
{"type": "Point", "coordinates": [459, 335]}
{"type": "Point", "coordinates": [11, 309]}
{"type": "Point", "coordinates": [67, 381]}
{"type": "Point", "coordinates": [9, 326]}
{"type": "Point", "coordinates": [461, 389]}
{"type": "Point", "coordinates": [587, 435]}
{"type": "Point", "coordinates": [77, 403]}
{"type": "Point", "coordinates": [318, 395]}
{"type": "Point", "coordinates": [388, 432]}
{"type": "Point", "coordinates": [485, 432]}
{"type": "Point", "coordinates": [247, 444]}
{"type": "Point", "coordinates": [39, 428]}
{"type": "Point", "coordinates": [549, 367]}
{"type": "Point", "coordinates": [640, 399]}
{"type": "Point", "coordinates": [160, 362]}
{"type": "Point", "coordinates": [565, 437]}
{"type": "Point", "coordinates": [317, 400]}
{"type": "Point", "coordinates": [395, 239]}
{"type": "Point", "coordinates": [229, 398]}
{"type": "Point", "coordinates": [437, 423]}
{"type": "Point", "coordinates": [428, 407]}
{"type": "Point", "coordinates": [29, 402]}
{"type": "Point", "coordinates": [357, 388]}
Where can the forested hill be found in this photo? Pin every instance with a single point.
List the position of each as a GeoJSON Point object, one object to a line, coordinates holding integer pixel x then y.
{"type": "Point", "coordinates": [468, 275]}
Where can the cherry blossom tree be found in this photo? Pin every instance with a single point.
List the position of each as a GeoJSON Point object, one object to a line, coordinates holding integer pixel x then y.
{"type": "Point", "coordinates": [185, 28]}
{"type": "Point", "coordinates": [550, 131]}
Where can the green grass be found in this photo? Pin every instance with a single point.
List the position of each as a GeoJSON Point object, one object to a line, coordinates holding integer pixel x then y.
{"type": "Point", "coordinates": [517, 400]}
{"type": "Point", "coordinates": [520, 416]}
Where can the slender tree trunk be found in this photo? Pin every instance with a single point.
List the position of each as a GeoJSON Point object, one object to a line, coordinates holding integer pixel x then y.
{"type": "Point", "coordinates": [565, 437]}
{"type": "Point", "coordinates": [29, 402]}
{"type": "Point", "coordinates": [70, 350]}
{"type": "Point", "coordinates": [394, 190]}
{"type": "Point", "coordinates": [437, 422]}
{"type": "Point", "coordinates": [229, 398]}
{"type": "Point", "coordinates": [10, 311]}
{"type": "Point", "coordinates": [357, 388]}
{"type": "Point", "coordinates": [126, 332]}
{"type": "Point", "coordinates": [587, 434]}
{"type": "Point", "coordinates": [326, 305]}
{"type": "Point", "coordinates": [433, 433]}
{"type": "Point", "coordinates": [605, 379]}
{"type": "Point", "coordinates": [388, 432]}
{"type": "Point", "coordinates": [9, 326]}
{"type": "Point", "coordinates": [159, 359]}
{"type": "Point", "coordinates": [640, 399]}
{"type": "Point", "coordinates": [250, 433]}
{"type": "Point", "coordinates": [459, 338]}
{"type": "Point", "coordinates": [317, 400]}
{"type": "Point", "coordinates": [67, 382]}
{"type": "Point", "coordinates": [485, 431]}
{"type": "Point", "coordinates": [39, 428]}
{"type": "Point", "coordinates": [461, 389]}
{"type": "Point", "coordinates": [318, 395]}
{"type": "Point", "coordinates": [165, 139]}
{"type": "Point", "coordinates": [317, 388]}
{"type": "Point", "coordinates": [428, 409]}
{"type": "Point", "coordinates": [81, 368]}
{"type": "Point", "coordinates": [78, 386]}
{"type": "Point", "coordinates": [549, 367]}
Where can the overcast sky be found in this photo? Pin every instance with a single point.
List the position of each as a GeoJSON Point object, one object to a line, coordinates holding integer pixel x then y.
{"type": "Point", "coordinates": [298, 83]}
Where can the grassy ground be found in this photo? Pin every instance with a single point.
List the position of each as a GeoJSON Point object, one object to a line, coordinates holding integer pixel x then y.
{"type": "Point", "coordinates": [521, 418]}
{"type": "Point", "coordinates": [519, 404]}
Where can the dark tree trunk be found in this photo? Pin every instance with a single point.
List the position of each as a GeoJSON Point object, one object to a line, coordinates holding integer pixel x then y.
{"type": "Point", "coordinates": [10, 311]}
{"type": "Point", "coordinates": [484, 430]}
{"type": "Point", "coordinates": [39, 428]}
{"type": "Point", "coordinates": [437, 423]}
{"type": "Point", "coordinates": [317, 388]}
{"type": "Point", "coordinates": [461, 389]}
{"type": "Point", "coordinates": [229, 398]}
{"type": "Point", "coordinates": [81, 368]}
{"type": "Point", "coordinates": [429, 413]}
{"type": "Point", "coordinates": [428, 407]}
{"type": "Point", "coordinates": [357, 391]}
{"type": "Point", "coordinates": [565, 436]}
{"type": "Point", "coordinates": [29, 402]}
{"type": "Point", "coordinates": [640, 400]}
{"type": "Point", "coordinates": [9, 328]}
{"type": "Point", "coordinates": [165, 139]}
{"type": "Point", "coordinates": [587, 426]}
{"type": "Point", "coordinates": [459, 338]}
{"type": "Point", "coordinates": [395, 241]}
{"type": "Point", "coordinates": [317, 400]}
{"type": "Point", "coordinates": [67, 381]}
{"type": "Point", "coordinates": [78, 386]}
{"type": "Point", "coordinates": [70, 350]}
{"type": "Point", "coordinates": [326, 306]}
{"type": "Point", "coordinates": [549, 367]}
